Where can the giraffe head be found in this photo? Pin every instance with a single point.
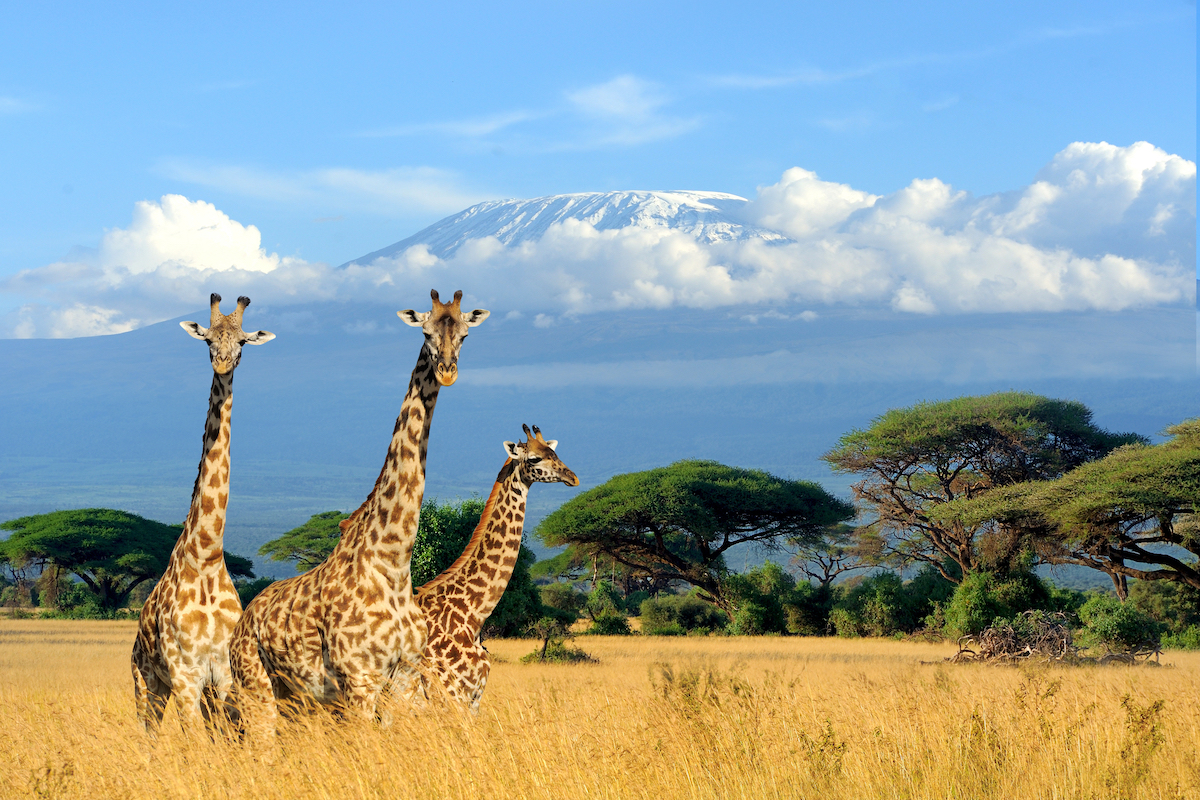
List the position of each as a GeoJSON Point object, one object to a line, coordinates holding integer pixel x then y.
{"type": "Point", "coordinates": [445, 329]}
{"type": "Point", "coordinates": [536, 461]}
{"type": "Point", "coordinates": [224, 334]}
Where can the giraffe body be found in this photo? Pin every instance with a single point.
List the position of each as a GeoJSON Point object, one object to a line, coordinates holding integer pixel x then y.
{"type": "Point", "coordinates": [337, 632]}
{"type": "Point", "coordinates": [457, 603]}
{"type": "Point", "coordinates": [182, 643]}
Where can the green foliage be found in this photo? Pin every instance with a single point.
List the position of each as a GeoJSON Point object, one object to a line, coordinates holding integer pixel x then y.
{"type": "Point", "coordinates": [610, 623]}
{"type": "Point", "coordinates": [633, 602]}
{"type": "Point", "coordinates": [677, 522]}
{"type": "Point", "coordinates": [769, 600]}
{"type": "Point", "coordinates": [111, 551]}
{"type": "Point", "coordinates": [308, 545]}
{"type": "Point", "coordinates": [676, 615]}
{"type": "Point", "coordinates": [983, 597]}
{"type": "Point", "coordinates": [916, 460]}
{"type": "Point", "coordinates": [442, 534]}
{"type": "Point", "coordinates": [1118, 626]}
{"type": "Point", "coordinates": [603, 600]}
{"type": "Point", "coordinates": [1112, 513]}
{"type": "Point", "coordinates": [1175, 605]}
{"type": "Point", "coordinates": [884, 605]}
{"type": "Point", "coordinates": [249, 589]}
{"type": "Point", "coordinates": [557, 652]}
{"type": "Point", "coordinates": [554, 647]}
{"type": "Point", "coordinates": [562, 601]}
{"type": "Point", "coordinates": [239, 566]}
{"type": "Point", "coordinates": [1185, 639]}
{"type": "Point", "coordinates": [76, 602]}
{"type": "Point", "coordinates": [570, 564]}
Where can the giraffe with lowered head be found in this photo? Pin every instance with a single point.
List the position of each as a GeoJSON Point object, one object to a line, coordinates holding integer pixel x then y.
{"type": "Point", "coordinates": [458, 602]}
{"type": "Point", "coordinates": [340, 630]}
{"type": "Point", "coordinates": [182, 644]}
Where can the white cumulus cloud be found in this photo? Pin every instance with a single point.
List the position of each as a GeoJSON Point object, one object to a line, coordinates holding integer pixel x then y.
{"type": "Point", "coordinates": [1100, 228]}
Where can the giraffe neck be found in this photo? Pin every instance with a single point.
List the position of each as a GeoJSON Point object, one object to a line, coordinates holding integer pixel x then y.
{"type": "Point", "coordinates": [488, 561]}
{"type": "Point", "coordinates": [385, 525]}
{"type": "Point", "coordinates": [204, 529]}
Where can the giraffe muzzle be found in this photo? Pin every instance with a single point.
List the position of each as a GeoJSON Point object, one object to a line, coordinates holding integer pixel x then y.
{"type": "Point", "coordinates": [570, 479]}
{"type": "Point", "coordinates": [447, 374]}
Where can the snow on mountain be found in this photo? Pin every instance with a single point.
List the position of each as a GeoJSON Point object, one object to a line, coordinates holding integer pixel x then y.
{"type": "Point", "coordinates": [709, 216]}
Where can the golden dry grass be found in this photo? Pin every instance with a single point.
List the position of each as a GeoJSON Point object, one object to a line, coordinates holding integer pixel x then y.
{"type": "Point", "coordinates": [725, 718]}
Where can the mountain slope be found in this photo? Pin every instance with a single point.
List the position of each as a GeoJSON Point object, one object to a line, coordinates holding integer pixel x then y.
{"type": "Point", "coordinates": [709, 216]}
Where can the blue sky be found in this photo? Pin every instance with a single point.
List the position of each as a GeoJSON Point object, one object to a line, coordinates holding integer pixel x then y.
{"type": "Point", "coordinates": [338, 131]}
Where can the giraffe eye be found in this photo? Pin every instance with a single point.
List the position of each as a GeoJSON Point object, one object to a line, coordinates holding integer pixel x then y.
{"type": "Point", "coordinates": [534, 459]}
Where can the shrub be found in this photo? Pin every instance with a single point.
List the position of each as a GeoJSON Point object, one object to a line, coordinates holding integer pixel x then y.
{"type": "Point", "coordinates": [562, 601]}
{"type": "Point", "coordinates": [675, 615]}
{"type": "Point", "coordinates": [557, 652]}
{"type": "Point", "coordinates": [610, 623]}
{"type": "Point", "coordinates": [1175, 605]}
{"type": "Point", "coordinates": [983, 597]}
{"type": "Point", "coordinates": [1186, 639]}
{"type": "Point", "coordinates": [603, 600]}
{"type": "Point", "coordinates": [248, 590]}
{"type": "Point", "coordinates": [633, 603]}
{"type": "Point", "coordinates": [1118, 626]}
{"type": "Point", "coordinates": [873, 607]}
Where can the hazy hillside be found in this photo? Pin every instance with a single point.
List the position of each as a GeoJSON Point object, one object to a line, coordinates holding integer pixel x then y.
{"type": "Point", "coordinates": [116, 420]}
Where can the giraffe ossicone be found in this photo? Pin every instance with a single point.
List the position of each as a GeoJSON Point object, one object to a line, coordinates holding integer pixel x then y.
{"type": "Point", "coordinates": [338, 632]}
{"type": "Point", "coordinates": [184, 629]}
{"type": "Point", "coordinates": [458, 602]}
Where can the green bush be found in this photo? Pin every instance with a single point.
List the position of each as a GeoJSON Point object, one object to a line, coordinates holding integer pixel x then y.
{"type": "Point", "coordinates": [884, 605]}
{"type": "Point", "coordinates": [1186, 639]}
{"type": "Point", "coordinates": [557, 652]}
{"type": "Point", "coordinates": [562, 602]}
{"type": "Point", "coordinates": [610, 623]}
{"type": "Point", "coordinates": [248, 590]}
{"type": "Point", "coordinates": [675, 615]}
{"type": "Point", "coordinates": [1175, 605]}
{"type": "Point", "coordinates": [633, 603]}
{"type": "Point", "coordinates": [983, 597]}
{"type": "Point", "coordinates": [603, 600]}
{"type": "Point", "coordinates": [1117, 626]}
{"type": "Point", "coordinates": [874, 607]}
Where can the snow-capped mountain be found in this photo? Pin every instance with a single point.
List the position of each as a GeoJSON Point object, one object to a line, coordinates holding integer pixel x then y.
{"type": "Point", "coordinates": [709, 216]}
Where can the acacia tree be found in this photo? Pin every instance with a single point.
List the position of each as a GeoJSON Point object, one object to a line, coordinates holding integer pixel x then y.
{"type": "Point", "coordinates": [914, 460]}
{"type": "Point", "coordinates": [678, 522]}
{"type": "Point", "coordinates": [838, 551]}
{"type": "Point", "coordinates": [111, 552]}
{"type": "Point", "coordinates": [577, 563]}
{"type": "Point", "coordinates": [308, 545]}
{"type": "Point", "coordinates": [1128, 514]}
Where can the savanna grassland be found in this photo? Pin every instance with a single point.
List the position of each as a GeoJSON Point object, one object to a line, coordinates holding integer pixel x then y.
{"type": "Point", "coordinates": [655, 718]}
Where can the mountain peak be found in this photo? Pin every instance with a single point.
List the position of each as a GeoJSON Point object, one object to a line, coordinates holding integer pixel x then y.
{"type": "Point", "coordinates": [709, 216]}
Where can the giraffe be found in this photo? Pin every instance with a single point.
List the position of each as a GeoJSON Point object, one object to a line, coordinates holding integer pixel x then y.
{"type": "Point", "coordinates": [182, 644]}
{"type": "Point", "coordinates": [337, 632]}
{"type": "Point", "coordinates": [458, 601]}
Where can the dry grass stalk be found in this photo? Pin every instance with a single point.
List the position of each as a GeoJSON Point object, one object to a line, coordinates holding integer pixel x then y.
{"type": "Point", "coordinates": [656, 718]}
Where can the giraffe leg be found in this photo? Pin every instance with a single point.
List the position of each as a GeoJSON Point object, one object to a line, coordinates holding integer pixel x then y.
{"type": "Point", "coordinates": [189, 703]}
{"type": "Point", "coordinates": [360, 695]}
{"type": "Point", "coordinates": [255, 697]}
{"type": "Point", "coordinates": [149, 693]}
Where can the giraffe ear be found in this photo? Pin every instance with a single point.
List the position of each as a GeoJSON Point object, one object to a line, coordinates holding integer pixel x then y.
{"type": "Point", "coordinates": [261, 337]}
{"type": "Point", "coordinates": [552, 444]}
{"type": "Point", "coordinates": [413, 318]}
{"type": "Point", "coordinates": [514, 450]}
{"type": "Point", "coordinates": [475, 317]}
{"type": "Point", "coordinates": [195, 329]}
